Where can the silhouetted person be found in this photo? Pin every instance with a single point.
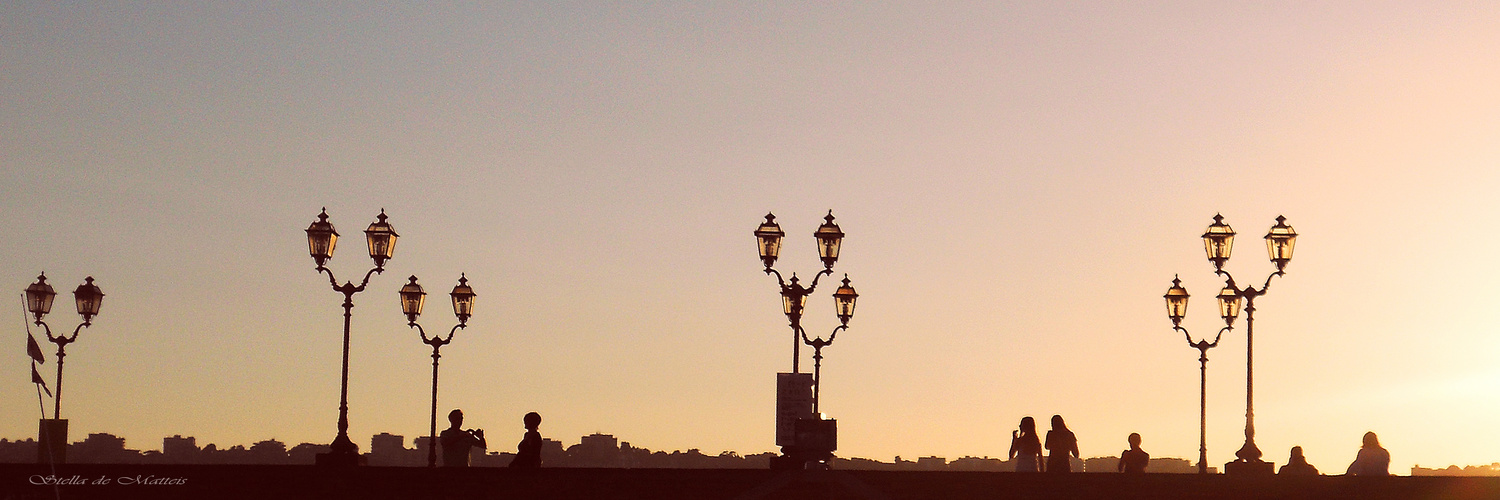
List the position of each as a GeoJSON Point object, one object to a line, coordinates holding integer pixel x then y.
{"type": "Point", "coordinates": [457, 442]}
{"type": "Point", "coordinates": [529, 452]}
{"type": "Point", "coordinates": [1372, 460]}
{"type": "Point", "coordinates": [1133, 460]}
{"type": "Point", "coordinates": [1025, 445]}
{"type": "Point", "coordinates": [1060, 444]}
{"type": "Point", "coordinates": [1297, 465]}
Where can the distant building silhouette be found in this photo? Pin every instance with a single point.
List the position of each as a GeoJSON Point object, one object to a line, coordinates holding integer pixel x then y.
{"type": "Point", "coordinates": [18, 451]}
{"type": "Point", "coordinates": [1491, 470]}
{"type": "Point", "coordinates": [269, 451]}
{"type": "Point", "coordinates": [180, 450]}
{"type": "Point", "coordinates": [932, 463]}
{"type": "Point", "coordinates": [1155, 466]}
{"type": "Point", "coordinates": [305, 453]}
{"type": "Point", "coordinates": [390, 450]}
{"type": "Point", "coordinates": [102, 448]}
{"type": "Point", "coordinates": [980, 464]}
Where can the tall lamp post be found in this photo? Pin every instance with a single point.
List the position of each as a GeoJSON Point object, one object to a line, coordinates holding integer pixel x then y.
{"type": "Point", "coordinates": [805, 437]}
{"type": "Point", "coordinates": [380, 237]}
{"type": "Point", "coordinates": [1229, 309]}
{"type": "Point", "coordinates": [1218, 241]}
{"type": "Point", "coordinates": [39, 295]}
{"type": "Point", "coordinates": [412, 299]}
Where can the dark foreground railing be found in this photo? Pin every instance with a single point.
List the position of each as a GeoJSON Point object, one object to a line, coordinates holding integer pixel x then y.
{"type": "Point", "coordinates": [87, 481]}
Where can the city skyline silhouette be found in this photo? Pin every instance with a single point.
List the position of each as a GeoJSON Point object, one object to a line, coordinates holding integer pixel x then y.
{"type": "Point", "coordinates": [1017, 183]}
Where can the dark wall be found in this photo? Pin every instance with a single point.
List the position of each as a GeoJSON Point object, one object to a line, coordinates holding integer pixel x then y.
{"type": "Point", "coordinates": [83, 481]}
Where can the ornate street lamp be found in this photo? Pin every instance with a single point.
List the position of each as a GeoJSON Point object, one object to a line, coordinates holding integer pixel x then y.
{"type": "Point", "coordinates": [1218, 241]}
{"type": "Point", "coordinates": [321, 240]}
{"type": "Point", "coordinates": [412, 299]}
{"type": "Point", "coordinates": [793, 295]}
{"type": "Point", "coordinates": [39, 295]}
{"type": "Point", "coordinates": [804, 435]}
{"type": "Point", "coordinates": [1229, 308]}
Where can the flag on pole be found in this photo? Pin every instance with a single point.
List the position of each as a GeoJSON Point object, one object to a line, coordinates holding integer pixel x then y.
{"type": "Point", "coordinates": [33, 349]}
{"type": "Point", "coordinates": [36, 378]}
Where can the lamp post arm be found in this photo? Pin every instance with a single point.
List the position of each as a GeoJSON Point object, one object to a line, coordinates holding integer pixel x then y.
{"type": "Point", "coordinates": [372, 272]}
{"type": "Point", "coordinates": [420, 331]}
{"type": "Point", "coordinates": [779, 281]}
{"type": "Point", "coordinates": [1268, 281]}
{"type": "Point", "coordinates": [817, 277]}
{"type": "Point", "coordinates": [819, 343]}
{"type": "Point", "coordinates": [76, 330]}
{"type": "Point", "coordinates": [1221, 334]}
{"type": "Point", "coordinates": [1202, 345]}
{"type": "Point", "coordinates": [1228, 280]}
{"type": "Point", "coordinates": [331, 280]}
{"type": "Point", "coordinates": [453, 331]}
{"type": "Point", "coordinates": [435, 340]}
{"type": "Point", "coordinates": [836, 332]}
{"type": "Point", "coordinates": [47, 329]}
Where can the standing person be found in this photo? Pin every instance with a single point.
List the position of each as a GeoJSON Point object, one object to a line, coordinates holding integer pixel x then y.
{"type": "Point", "coordinates": [1133, 460]}
{"type": "Point", "coordinates": [1027, 446]}
{"type": "Point", "coordinates": [1372, 460]}
{"type": "Point", "coordinates": [1060, 444]}
{"type": "Point", "coordinates": [457, 442]}
{"type": "Point", "coordinates": [529, 452]}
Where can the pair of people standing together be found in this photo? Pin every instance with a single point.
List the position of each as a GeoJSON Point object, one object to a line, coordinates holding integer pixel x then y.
{"type": "Point", "coordinates": [1026, 447]}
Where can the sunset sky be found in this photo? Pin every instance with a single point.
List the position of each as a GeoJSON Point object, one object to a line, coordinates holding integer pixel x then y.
{"type": "Point", "coordinates": [1019, 183]}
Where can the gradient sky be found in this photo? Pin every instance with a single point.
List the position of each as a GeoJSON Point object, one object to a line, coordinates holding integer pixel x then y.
{"type": "Point", "coordinates": [1019, 183]}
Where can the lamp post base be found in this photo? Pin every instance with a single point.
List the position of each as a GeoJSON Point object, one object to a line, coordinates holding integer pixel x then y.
{"type": "Point", "coordinates": [816, 440]}
{"type": "Point", "coordinates": [52, 441]}
{"type": "Point", "coordinates": [1243, 468]}
{"type": "Point", "coordinates": [342, 453]}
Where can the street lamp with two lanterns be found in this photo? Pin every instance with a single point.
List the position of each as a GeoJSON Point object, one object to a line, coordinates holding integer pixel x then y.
{"type": "Point", "coordinates": [53, 432]}
{"type": "Point", "coordinates": [39, 296]}
{"type": "Point", "coordinates": [1229, 309]}
{"type": "Point", "coordinates": [412, 300]}
{"type": "Point", "coordinates": [380, 238]}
